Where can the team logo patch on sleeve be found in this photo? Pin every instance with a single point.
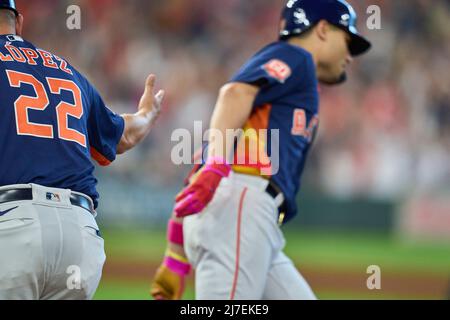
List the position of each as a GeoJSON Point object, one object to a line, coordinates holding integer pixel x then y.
{"type": "Point", "coordinates": [278, 70]}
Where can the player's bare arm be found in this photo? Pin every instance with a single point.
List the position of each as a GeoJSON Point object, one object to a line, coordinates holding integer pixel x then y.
{"type": "Point", "coordinates": [177, 248]}
{"type": "Point", "coordinates": [232, 110]}
{"type": "Point", "coordinates": [139, 125]}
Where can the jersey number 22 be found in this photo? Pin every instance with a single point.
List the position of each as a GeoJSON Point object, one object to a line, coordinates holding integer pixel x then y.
{"type": "Point", "coordinates": [41, 102]}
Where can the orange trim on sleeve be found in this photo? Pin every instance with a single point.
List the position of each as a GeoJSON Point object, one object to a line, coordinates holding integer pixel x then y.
{"type": "Point", "coordinates": [101, 159]}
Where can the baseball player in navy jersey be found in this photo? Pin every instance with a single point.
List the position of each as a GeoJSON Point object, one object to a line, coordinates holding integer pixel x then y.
{"type": "Point", "coordinates": [53, 124]}
{"type": "Point", "coordinates": [226, 222]}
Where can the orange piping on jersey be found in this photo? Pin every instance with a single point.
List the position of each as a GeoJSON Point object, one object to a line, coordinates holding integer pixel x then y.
{"type": "Point", "coordinates": [101, 159]}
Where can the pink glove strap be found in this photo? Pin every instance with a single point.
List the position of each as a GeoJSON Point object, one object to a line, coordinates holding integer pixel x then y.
{"type": "Point", "coordinates": [175, 232]}
{"type": "Point", "coordinates": [176, 266]}
{"type": "Point", "coordinates": [217, 165]}
{"type": "Point", "coordinates": [224, 173]}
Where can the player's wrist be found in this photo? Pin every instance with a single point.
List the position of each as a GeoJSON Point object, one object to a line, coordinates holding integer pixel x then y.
{"type": "Point", "coordinates": [173, 260]}
{"type": "Point", "coordinates": [177, 263]}
{"type": "Point", "coordinates": [218, 165]}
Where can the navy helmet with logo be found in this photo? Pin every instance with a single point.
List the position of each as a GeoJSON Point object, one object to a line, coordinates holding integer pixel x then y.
{"type": "Point", "coordinates": [9, 4]}
{"type": "Point", "coordinates": [301, 15]}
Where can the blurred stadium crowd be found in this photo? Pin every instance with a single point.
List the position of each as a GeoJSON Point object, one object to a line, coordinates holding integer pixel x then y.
{"type": "Point", "coordinates": [384, 134]}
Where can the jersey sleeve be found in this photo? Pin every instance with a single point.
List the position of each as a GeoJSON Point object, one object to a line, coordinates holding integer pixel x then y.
{"type": "Point", "coordinates": [275, 70]}
{"type": "Point", "coordinates": [105, 129]}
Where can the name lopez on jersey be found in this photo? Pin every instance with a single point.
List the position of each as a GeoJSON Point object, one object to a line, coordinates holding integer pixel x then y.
{"type": "Point", "coordinates": [10, 53]}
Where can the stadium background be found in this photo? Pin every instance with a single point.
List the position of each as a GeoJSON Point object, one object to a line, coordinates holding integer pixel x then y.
{"type": "Point", "coordinates": [377, 185]}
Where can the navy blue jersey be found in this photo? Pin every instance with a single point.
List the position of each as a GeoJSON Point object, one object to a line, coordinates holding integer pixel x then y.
{"type": "Point", "coordinates": [287, 103]}
{"type": "Point", "coordinates": [53, 122]}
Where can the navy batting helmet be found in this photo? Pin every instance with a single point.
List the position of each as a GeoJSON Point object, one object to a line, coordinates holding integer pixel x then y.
{"type": "Point", "coordinates": [301, 15]}
{"type": "Point", "coordinates": [9, 4]}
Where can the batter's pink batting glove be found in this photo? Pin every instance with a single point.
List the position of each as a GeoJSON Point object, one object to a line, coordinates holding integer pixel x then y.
{"type": "Point", "coordinates": [199, 193]}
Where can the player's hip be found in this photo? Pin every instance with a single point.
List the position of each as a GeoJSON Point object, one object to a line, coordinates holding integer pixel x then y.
{"type": "Point", "coordinates": [241, 192]}
{"type": "Point", "coordinates": [265, 188]}
{"type": "Point", "coordinates": [45, 236]}
{"type": "Point", "coordinates": [50, 209]}
{"type": "Point", "coordinates": [45, 196]}
{"type": "Point", "coordinates": [241, 211]}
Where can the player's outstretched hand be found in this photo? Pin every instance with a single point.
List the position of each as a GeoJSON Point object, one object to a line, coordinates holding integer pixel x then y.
{"type": "Point", "coordinates": [196, 196]}
{"type": "Point", "coordinates": [139, 125]}
{"type": "Point", "coordinates": [150, 104]}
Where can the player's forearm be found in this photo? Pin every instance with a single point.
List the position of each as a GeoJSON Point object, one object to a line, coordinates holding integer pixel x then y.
{"type": "Point", "coordinates": [177, 248]}
{"type": "Point", "coordinates": [137, 127]}
{"type": "Point", "coordinates": [232, 110]}
{"type": "Point", "coordinates": [175, 241]}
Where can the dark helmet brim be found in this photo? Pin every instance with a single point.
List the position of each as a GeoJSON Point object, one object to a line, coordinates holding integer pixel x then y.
{"type": "Point", "coordinates": [358, 44]}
